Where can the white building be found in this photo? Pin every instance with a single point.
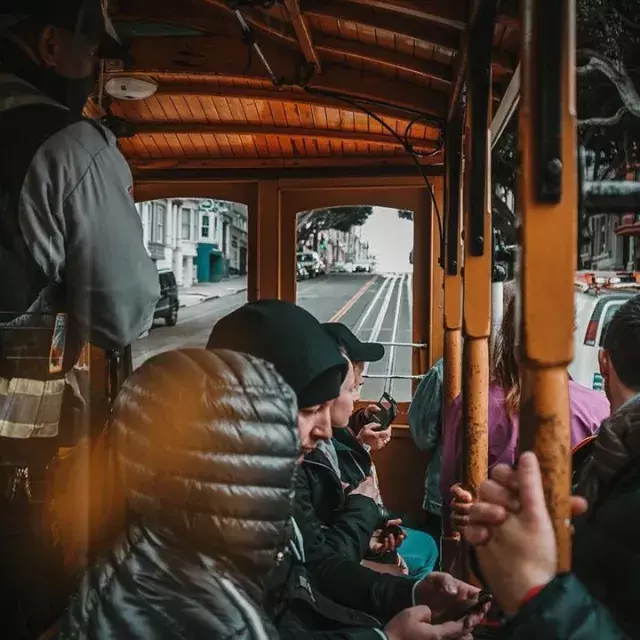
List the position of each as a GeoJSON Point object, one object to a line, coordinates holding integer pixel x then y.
{"type": "Point", "coordinates": [199, 240]}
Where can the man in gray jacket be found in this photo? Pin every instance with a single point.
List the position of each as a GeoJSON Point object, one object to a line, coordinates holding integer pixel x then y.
{"type": "Point", "coordinates": [73, 263]}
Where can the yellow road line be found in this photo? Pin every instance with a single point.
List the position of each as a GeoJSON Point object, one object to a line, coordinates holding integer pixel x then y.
{"type": "Point", "coordinates": [356, 296]}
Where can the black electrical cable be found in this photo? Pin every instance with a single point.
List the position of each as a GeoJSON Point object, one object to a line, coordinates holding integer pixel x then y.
{"type": "Point", "coordinates": [358, 104]}
{"type": "Point", "coordinates": [353, 102]}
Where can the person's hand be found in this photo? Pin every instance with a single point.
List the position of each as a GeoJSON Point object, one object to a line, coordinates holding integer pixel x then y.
{"type": "Point", "coordinates": [389, 543]}
{"type": "Point", "coordinates": [415, 624]}
{"type": "Point", "coordinates": [441, 592]}
{"type": "Point", "coordinates": [513, 534]}
{"type": "Point", "coordinates": [368, 489]}
{"type": "Point", "coordinates": [499, 498]}
{"type": "Point", "coordinates": [461, 501]}
{"type": "Point", "coordinates": [376, 440]}
{"type": "Point", "coordinates": [371, 410]}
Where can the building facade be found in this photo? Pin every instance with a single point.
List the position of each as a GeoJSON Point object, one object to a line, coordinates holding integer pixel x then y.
{"type": "Point", "coordinates": [200, 240]}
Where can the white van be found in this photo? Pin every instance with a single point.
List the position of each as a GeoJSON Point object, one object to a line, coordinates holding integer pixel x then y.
{"type": "Point", "coordinates": [595, 303]}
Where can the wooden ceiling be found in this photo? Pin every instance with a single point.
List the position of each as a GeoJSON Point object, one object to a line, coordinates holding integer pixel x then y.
{"type": "Point", "coordinates": [217, 109]}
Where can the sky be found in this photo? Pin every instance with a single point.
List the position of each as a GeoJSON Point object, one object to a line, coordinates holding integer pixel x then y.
{"type": "Point", "coordinates": [390, 239]}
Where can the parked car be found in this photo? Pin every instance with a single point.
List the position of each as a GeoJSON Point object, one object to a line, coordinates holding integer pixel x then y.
{"type": "Point", "coordinates": [595, 305]}
{"type": "Point", "coordinates": [362, 267]}
{"type": "Point", "coordinates": [168, 304]}
{"type": "Point", "coordinates": [311, 261]}
{"type": "Point", "coordinates": [301, 272]}
{"type": "Point", "coordinates": [338, 267]}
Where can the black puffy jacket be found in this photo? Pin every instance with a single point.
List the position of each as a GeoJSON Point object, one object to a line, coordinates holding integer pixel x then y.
{"type": "Point", "coordinates": [207, 444]}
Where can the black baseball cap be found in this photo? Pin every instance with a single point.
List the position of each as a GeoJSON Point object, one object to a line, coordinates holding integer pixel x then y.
{"type": "Point", "coordinates": [88, 17]}
{"type": "Point", "coordinates": [356, 350]}
{"type": "Point", "coordinates": [292, 340]}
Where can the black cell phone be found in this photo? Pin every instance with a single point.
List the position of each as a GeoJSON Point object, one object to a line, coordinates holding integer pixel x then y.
{"type": "Point", "coordinates": [387, 414]}
{"type": "Point", "coordinates": [464, 610]}
{"type": "Point", "coordinates": [390, 530]}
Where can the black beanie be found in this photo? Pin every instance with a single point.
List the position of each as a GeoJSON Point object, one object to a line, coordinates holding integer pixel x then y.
{"type": "Point", "coordinates": [292, 340]}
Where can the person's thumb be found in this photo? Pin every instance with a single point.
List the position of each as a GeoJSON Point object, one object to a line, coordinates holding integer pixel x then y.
{"type": "Point", "coordinates": [530, 483]}
{"type": "Point", "coordinates": [450, 630]}
{"type": "Point", "coordinates": [421, 613]}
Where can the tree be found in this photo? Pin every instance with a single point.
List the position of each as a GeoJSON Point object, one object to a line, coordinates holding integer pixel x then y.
{"type": "Point", "coordinates": [608, 34]}
{"type": "Point", "coordinates": [405, 214]}
{"type": "Point", "coordinates": [311, 223]}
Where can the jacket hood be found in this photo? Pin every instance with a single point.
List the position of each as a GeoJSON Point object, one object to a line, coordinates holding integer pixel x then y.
{"type": "Point", "coordinates": [292, 339]}
{"type": "Point", "coordinates": [207, 444]}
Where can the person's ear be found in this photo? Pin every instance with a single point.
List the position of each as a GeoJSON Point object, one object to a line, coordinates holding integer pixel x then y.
{"type": "Point", "coordinates": [48, 48]}
{"type": "Point", "coordinates": [605, 364]}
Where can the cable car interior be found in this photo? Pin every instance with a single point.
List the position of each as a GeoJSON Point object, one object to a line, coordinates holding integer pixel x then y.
{"type": "Point", "coordinates": [289, 106]}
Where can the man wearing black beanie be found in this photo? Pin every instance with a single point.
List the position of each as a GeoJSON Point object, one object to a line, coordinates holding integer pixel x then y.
{"type": "Point", "coordinates": [311, 363]}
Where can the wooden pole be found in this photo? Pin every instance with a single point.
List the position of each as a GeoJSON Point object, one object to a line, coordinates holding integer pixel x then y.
{"type": "Point", "coordinates": [548, 216]}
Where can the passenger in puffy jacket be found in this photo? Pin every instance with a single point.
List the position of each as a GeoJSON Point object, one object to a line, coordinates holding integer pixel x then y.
{"type": "Point", "coordinates": [206, 444]}
{"type": "Point", "coordinates": [299, 604]}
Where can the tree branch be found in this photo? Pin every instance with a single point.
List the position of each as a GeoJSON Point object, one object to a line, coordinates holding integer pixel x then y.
{"type": "Point", "coordinates": [617, 74]}
{"type": "Point", "coordinates": [604, 121]}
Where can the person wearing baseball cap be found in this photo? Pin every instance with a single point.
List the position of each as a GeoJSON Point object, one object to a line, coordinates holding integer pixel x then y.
{"type": "Point", "coordinates": [361, 423]}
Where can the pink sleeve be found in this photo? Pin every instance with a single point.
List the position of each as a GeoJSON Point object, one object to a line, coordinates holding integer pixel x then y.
{"type": "Point", "coordinates": [451, 458]}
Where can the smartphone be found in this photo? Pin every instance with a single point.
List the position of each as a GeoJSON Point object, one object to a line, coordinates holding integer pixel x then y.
{"type": "Point", "coordinates": [464, 610]}
{"type": "Point", "coordinates": [390, 530]}
{"type": "Point", "coordinates": [387, 414]}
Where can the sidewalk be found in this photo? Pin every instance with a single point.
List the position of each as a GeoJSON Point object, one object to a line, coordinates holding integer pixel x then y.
{"type": "Point", "coordinates": [210, 290]}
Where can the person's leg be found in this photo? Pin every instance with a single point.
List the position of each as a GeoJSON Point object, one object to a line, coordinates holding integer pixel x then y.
{"type": "Point", "coordinates": [419, 551]}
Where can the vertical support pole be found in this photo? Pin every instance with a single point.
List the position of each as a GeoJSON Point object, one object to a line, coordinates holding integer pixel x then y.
{"type": "Point", "coordinates": [477, 249]}
{"type": "Point", "coordinates": [548, 214]}
{"type": "Point", "coordinates": [452, 364]}
{"type": "Point", "coordinates": [436, 335]}
{"type": "Point", "coordinates": [453, 260]}
{"type": "Point", "coordinates": [267, 227]}
{"type": "Point", "coordinates": [288, 260]}
{"type": "Point", "coordinates": [422, 278]}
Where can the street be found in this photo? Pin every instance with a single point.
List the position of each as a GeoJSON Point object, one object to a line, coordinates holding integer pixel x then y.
{"type": "Point", "coordinates": [377, 307]}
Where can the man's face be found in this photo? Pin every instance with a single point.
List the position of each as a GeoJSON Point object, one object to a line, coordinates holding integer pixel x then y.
{"type": "Point", "coordinates": [314, 424]}
{"type": "Point", "coordinates": [69, 54]}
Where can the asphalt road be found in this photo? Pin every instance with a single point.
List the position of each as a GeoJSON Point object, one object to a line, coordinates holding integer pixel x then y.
{"type": "Point", "coordinates": [375, 307]}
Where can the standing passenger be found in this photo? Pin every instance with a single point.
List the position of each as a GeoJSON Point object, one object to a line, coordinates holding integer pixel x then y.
{"type": "Point", "coordinates": [73, 264]}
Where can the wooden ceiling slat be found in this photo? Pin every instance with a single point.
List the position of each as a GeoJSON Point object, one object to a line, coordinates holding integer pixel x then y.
{"type": "Point", "coordinates": [225, 146]}
{"type": "Point", "coordinates": [175, 146]}
{"type": "Point", "coordinates": [211, 144]}
{"type": "Point", "coordinates": [449, 13]}
{"type": "Point", "coordinates": [278, 113]}
{"type": "Point", "coordinates": [239, 130]}
{"type": "Point", "coordinates": [210, 109]}
{"type": "Point", "coordinates": [237, 148]}
{"type": "Point", "coordinates": [211, 90]}
{"type": "Point", "coordinates": [447, 39]}
{"type": "Point", "coordinates": [196, 108]}
{"type": "Point", "coordinates": [152, 147]}
{"type": "Point", "coordinates": [168, 106]}
{"type": "Point", "coordinates": [306, 116]}
{"type": "Point", "coordinates": [365, 160]}
{"type": "Point", "coordinates": [181, 107]}
{"type": "Point", "coordinates": [261, 146]}
{"type": "Point", "coordinates": [292, 115]}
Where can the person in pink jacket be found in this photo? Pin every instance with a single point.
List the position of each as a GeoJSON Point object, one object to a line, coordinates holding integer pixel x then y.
{"type": "Point", "coordinates": [588, 409]}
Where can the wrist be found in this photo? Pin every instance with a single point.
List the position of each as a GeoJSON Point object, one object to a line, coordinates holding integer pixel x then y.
{"type": "Point", "coordinates": [524, 592]}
